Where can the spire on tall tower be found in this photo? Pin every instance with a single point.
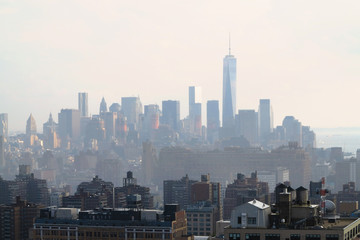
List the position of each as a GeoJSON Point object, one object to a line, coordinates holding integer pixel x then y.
{"type": "Point", "coordinates": [229, 44]}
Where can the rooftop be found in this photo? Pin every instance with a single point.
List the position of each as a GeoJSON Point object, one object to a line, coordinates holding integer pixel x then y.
{"type": "Point", "coordinates": [258, 204]}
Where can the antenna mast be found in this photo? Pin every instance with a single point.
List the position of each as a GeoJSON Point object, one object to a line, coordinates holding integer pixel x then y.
{"type": "Point", "coordinates": [229, 44]}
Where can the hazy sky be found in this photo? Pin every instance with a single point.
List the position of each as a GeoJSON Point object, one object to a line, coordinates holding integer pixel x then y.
{"type": "Point", "coordinates": [303, 55]}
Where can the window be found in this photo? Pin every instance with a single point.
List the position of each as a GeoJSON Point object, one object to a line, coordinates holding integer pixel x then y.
{"type": "Point", "coordinates": [234, 236]}
{"type": "Point", "coordinates": [312, 237]}
{"type": "Point", "coordinates": [252, 236]}
{"type": "Point", "coordinates": [294, 236]}
{"type": "Point", "coordinates": [239, 220]}
{"type": "Point", "coordinates": [332, 237]}
{"type": "Point", "coordinates": [251, 220]}
{"type": "Point", "coordinates": [272, 236]}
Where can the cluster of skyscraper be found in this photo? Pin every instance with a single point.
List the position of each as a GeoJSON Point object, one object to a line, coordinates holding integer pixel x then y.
{"type": "Point", "coordinates": [128, 123]}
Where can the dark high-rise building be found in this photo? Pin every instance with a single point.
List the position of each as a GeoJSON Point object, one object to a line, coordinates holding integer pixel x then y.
{"type": "Point", "coordinates": [83, 104]}
{"type": "Point", "coordinates": [103, 106]}
{"type": "Point", "coordinates": [243, 190]}
{"type": "Point", "coordinates": [4, 125]}
{"type": "Point", "coordinates": [171, 113]}
{"type": "Point", "coordinates": [213, 120]}
{"type": "Point", "coordinates": [69, 126]}
{"type": "Point", "coordinates": [195, 110]}
{"type": "Point", "coordinates": [17, 219]}
{"type": "Point", "coordinates": [130, 187]}
{"type": "Point", "coordinates": [178, 191]}
{"type": "Point", "coordinates": [229, 91]}
{"type": "Point", "coordinates": [247, 125]}
{"type": "Point", "coordinates": [25, 185]}
{"type": "Point", "coordinates": [132, 108]}
{"type": "Point", "coordinates": [265, 119]}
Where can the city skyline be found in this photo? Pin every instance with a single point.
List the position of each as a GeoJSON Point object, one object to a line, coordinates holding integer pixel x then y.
{"type": "Point", "coordinates": [303, 59]}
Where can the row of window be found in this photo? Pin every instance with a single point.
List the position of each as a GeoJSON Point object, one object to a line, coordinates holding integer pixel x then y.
{"type": "Point", "coordinates": [198, 215]}
{"type": "Point", "coordinates": [197, 229]}
{"type": "Point", "coordinates": [250, 220]}
{"type": "Point", "coordinates": [200, 219]}
{"type": "Point", "coordinates": [256, 236]}
{"type": "Point", "coordinates": [200, 224]}
{"type": "Point", "coordinates": [104, 234]}
{"type": "Point", "coordinates": [352, 233]}
{"type": "Point", "coordinates": [200, 233]}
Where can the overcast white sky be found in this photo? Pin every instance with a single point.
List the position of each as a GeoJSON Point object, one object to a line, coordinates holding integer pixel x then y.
{"type": "Point", "coordinates": [303, 55]}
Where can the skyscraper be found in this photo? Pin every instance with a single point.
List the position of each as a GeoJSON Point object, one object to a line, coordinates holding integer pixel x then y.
{"type": "Point", "coordinates": [229, 91]}
{"type": "Point", "coordinates": [103, 106]}
{"type": "Point", "coordinates": [4, 125]}
{"type": "Point", "coordinates": [213, 120]}
{"type": "Point", "coordinates": [247, 125]}
{"type": "Point", "coordinates": [2, 154]}
{"type": "Point", "coordinates": [132, 108]}
{"type": "Point", "coordinates": [171, 113]}
{"type": "Point", "coordinates": [83, 104]}
{"type": "Point", "coordinates": [293, 130]}
{"type": "Point", "coordinates": [69, 126]}
{"type": "Point", "coordinates": [31, 126]}
{"type": "Point", "coordinates": [265, 119]}
{"type": "Point", "coordinates": [195, 110]}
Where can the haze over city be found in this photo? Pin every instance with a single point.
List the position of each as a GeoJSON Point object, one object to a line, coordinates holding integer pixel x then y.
{"type": "Point", "coordinates": [302, 56]}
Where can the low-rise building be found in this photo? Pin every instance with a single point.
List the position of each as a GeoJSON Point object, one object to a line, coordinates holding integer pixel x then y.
{"type": "Point", "coordinates": [293, 217]}
{"type": "Point", "coordinates": [108, 223]}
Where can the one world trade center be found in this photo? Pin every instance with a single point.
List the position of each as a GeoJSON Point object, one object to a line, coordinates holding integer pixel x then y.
{"type": "Point", "coordinates": [229, 91]}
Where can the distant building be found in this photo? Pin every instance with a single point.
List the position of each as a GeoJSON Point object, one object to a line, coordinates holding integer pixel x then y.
{"type": "Point", "coordinates": [293, 130]}
{"type": "Point", "coordinates": [246, 122]}
{"type": "Point", "coordinates": [202, 218]}
{"type": "Point", "coordinates": [83, 104]}
{"type": "Point", "coordinates": [149, 158]}
{"type": "Point", "coordinates": [26, 186]}
{"type": "Point", "coordinates": [213, 120]}
{"type": "Point", "coordinates": [176, 162]}
{"type": "Point", "coordinates": [50, 131]}
{"type": "Point", "coordinates": [195, 110]}
{"type": "Point", "coordinates": [103, 106]}
{"type": "Point", "coordinates": [115, 107]}
{"type": "Point", "coordinates": [171, 114]}
{"type": "Point", "coordinates": [69, 126]}
{"type": "Point", "coordinates": [265, 115]}
{"type": "Point", "coordinates": [4, 125]}
{"type": "Point", "coordinates": [132, 108]}
{"type": "Point", "coordinates": [110, 119]}
{"type": "Point", "coordinates": [130, 187]}
{"type": "Point", "coordinates": [2, 154]}
{"type": "Point", "coordinates": [178, 191]}
{"type": "Point", "coordinates": [30, 136]}
{"type": "Point", "coordinates": [229, 91]}
{"type": "Point", "coordinates": [243, 190]}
